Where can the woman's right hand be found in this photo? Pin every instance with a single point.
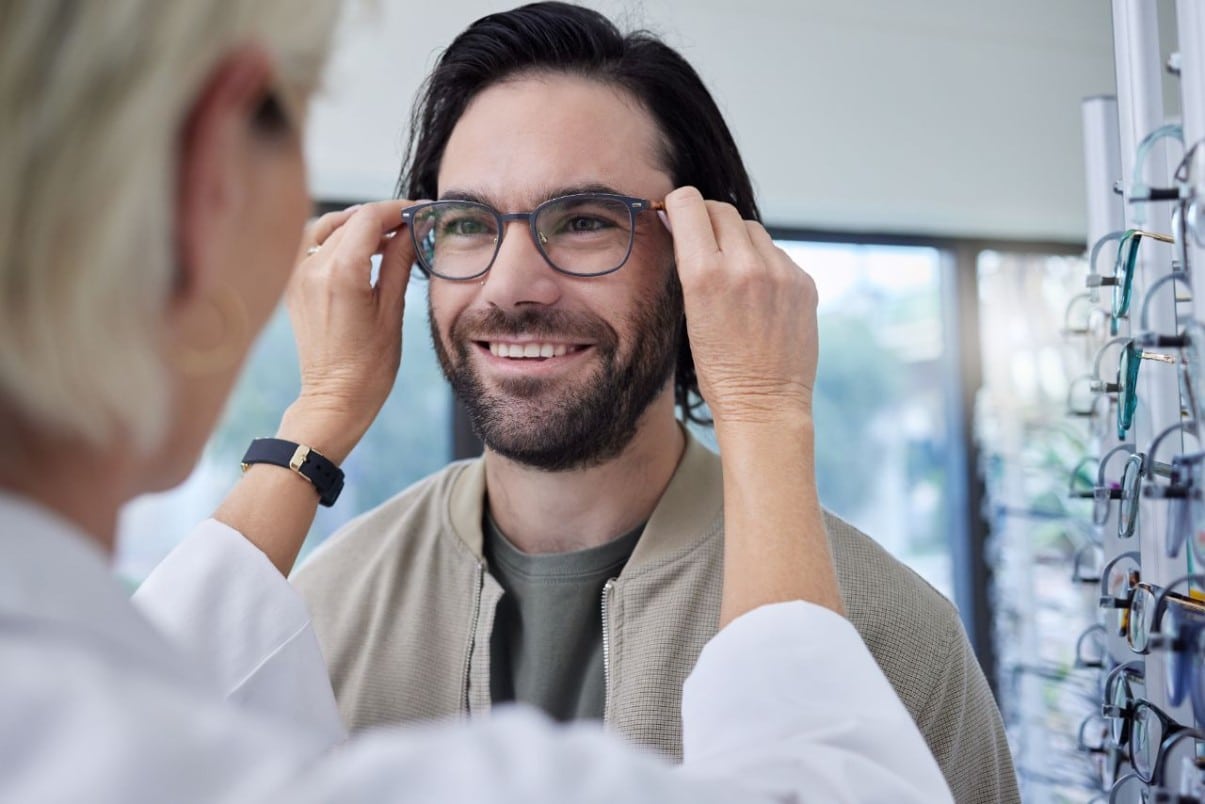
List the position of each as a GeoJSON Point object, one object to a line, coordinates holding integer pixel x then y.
{"type": "Point", "coordinates": [348, 331]}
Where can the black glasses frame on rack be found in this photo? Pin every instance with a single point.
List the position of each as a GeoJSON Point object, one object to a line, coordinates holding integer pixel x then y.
{"type": "Point", "coordinates": [1177, 627]}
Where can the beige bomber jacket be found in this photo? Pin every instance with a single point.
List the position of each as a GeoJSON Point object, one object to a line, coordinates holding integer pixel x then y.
{"type": "Point", "coordinates": [403, 606]}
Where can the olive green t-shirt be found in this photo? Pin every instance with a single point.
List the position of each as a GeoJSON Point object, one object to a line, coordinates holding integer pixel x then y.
{"type": "Point", "coordinates": [547, 649]}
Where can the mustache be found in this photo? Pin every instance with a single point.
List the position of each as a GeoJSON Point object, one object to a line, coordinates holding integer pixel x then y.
{"type": "Point", "coordinates": [538, 321]}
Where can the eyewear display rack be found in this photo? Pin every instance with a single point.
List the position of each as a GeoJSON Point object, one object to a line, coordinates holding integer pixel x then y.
{"type": "Point", "coordinates": [1143, 472]}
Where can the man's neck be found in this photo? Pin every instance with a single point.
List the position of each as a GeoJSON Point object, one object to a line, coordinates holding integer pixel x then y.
{"type": "Point", "coordinates": [555, 512]}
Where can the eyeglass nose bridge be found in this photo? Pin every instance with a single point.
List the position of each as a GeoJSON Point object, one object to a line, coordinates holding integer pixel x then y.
{"type": "Point", "coordinates": [529, 218]}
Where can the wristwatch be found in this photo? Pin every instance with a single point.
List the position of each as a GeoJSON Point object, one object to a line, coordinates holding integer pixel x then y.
{"type": "Point", "coordinates": [310, 464]}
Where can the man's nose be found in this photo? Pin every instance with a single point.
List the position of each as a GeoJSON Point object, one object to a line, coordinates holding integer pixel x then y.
{"type": "Point", "coordinates": [520, 274]}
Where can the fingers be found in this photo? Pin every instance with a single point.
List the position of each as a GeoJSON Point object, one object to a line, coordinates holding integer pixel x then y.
{"type": "Point", "coordinates": [360, 234]}
{"type": "Point", "coordinates": [397, 260]}
{"type": "Point", "coordinates": [708, 232]}
{"type": "Point", "coordinates": [353, 236]}
{"type": "Point", "coordinates": [694, 238]}
{"type": "Point", "coordinates": [320, 229]}
{"type": "Point", "coordinates": [732, 234]}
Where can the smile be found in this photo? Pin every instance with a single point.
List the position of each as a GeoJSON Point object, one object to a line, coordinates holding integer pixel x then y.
{"type": "Point", "coordinates": [531, 350]}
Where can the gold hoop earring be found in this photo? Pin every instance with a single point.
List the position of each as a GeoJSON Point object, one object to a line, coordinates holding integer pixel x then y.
{"type": "Point", "coordinates": [230, 347]}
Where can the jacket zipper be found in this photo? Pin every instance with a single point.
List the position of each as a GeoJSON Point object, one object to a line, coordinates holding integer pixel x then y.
{"type": "Point", "coordinates": [468, 659]}
{"type": "Point", "coordinates": [606, 646]}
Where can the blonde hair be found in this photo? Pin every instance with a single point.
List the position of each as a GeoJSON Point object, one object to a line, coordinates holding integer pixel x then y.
{"type": "Point", "coordinates": [93, 96]}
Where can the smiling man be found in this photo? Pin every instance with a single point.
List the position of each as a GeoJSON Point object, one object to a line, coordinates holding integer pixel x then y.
{"type": "Point", "coordinates": [577, 565]}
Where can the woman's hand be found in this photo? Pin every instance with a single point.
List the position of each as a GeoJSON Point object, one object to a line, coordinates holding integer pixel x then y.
{"type": "Point", "coordinates": [751, 320]}
{"type": "Point", "coordinates": [750, 314]}
{"type": "Point", "coordinates": [348, 332]}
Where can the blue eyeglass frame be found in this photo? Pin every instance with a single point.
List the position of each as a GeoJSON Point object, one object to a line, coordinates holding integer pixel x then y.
{"type": "Point", "coordinates": [635, 207]}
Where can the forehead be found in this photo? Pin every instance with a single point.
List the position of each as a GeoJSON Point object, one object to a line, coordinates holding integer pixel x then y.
{"type": "Point", "coordinates": [522, 140]}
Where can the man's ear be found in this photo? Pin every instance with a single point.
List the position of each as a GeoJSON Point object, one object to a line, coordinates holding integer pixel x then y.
{"type": "Point", "coordinates": [212, 149]}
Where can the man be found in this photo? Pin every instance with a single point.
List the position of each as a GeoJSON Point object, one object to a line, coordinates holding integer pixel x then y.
{"type": "Point", "coordinates": [577, 565]}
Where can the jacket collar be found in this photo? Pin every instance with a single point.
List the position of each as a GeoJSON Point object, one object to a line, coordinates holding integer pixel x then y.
{"type": "Point", "coordinates": [687, 511]}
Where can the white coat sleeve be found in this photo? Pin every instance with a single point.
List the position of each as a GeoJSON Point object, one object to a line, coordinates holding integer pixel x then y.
{"type": "Point", "coordinates": [789, 699]}
{"type": "Point", "coordinates": [228, 609]}
{"type": "Point", "coordinates": [785, 705]}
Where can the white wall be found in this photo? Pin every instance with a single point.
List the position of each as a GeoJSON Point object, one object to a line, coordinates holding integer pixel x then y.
{"type": "Point", "coordinates": [957, 117]}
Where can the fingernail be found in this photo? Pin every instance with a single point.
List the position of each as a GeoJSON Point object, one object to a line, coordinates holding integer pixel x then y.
{"type": "Point", "coordinates": [665, 220]}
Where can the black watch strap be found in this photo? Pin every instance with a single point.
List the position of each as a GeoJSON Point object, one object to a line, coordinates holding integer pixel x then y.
{"type": "Point", "coordinates": [314, 467]}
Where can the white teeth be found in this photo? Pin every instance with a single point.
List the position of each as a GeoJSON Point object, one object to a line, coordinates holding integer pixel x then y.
{"type": "Point", "coordinates": [530, 350]}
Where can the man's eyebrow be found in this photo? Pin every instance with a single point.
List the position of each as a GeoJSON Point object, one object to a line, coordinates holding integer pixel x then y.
{"type": "Point", "coordinates": [478, 197]}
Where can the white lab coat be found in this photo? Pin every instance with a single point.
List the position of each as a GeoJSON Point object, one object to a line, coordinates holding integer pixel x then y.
{"type": "Point", "coordinates": [218, 692]}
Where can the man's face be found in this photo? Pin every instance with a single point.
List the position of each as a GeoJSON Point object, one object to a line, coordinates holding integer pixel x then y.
{"type": "Point", "coordinates": [613, 337]}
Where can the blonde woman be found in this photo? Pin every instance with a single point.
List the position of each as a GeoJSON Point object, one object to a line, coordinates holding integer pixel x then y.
{"type": "Point", "coordinates": [152, 199]}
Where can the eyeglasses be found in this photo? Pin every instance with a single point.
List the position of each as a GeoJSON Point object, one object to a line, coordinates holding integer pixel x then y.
{"type": "Point", "coordinates": [1139, 191]}
{"type": "Point", "coordinates": [1132, 356]}
{"type": "Point", "coordinates": [1131, 789]}
{"type": "Point", "coordinates": [1090, 648]}
{"type": "Point", "coordinates": [1152, 738]}
{"type": "Point", "coordinates": [1093, 323]}
{"type": "Point", "coordinates": [1178, 626]}
{"type": "Point", "coordinates": [1136, 724]}
{"type": "Point", "coordinates": [584, 234]}
{"type": "Point", "coordinates": [1093, 738]}
{"type": "Point", "coordinates": [1117, 581]}
{"type": "Point", "coordinates": [1087, 399]}
{"type": "Point", "coordinates": [1123, 271]}
{"type": "Point", "coordinates": [1186, 495]}
{"type": "Point", "coordinates": [1105, 491]}
{"type": "Point", "coordinates": [1144, 465]}
{"type": "Point", "coordinates": [1149, 605]}
{"type": "Point", "coordinates": [1119, 699]}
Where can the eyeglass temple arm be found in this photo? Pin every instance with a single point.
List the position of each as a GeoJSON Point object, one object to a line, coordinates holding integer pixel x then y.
{"type": "Point", "coordinates": [1094, 279]}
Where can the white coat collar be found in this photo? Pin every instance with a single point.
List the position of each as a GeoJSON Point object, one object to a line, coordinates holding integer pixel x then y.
{"type": "Point", "coordinates": [54, 579]}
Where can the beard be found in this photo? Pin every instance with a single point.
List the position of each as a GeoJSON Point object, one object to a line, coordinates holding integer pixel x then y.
{"type": "Point", "coordinates": [551, 424]}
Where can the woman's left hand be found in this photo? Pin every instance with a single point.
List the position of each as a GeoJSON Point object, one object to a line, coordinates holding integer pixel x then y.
{"type": "Point", "coordinates": [348, 331]}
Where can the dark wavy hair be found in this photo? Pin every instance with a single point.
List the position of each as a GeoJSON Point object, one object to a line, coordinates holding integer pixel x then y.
{"type": "Point", "coordinates": [554, 37]}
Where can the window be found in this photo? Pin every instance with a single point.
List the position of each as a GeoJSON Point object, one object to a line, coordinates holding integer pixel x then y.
{"type": "Point", "coordinates": [881, 398]}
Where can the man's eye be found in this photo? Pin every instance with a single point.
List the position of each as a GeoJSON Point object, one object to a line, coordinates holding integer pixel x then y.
{"type": "Point", "coordinates": [582, 223]}
{"type": "Point", "coordinates": [464, 227]}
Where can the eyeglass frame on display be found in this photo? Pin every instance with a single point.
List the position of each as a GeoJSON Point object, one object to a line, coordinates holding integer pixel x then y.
{"type": "Point", "coordinates": [1123, 273]}
{"type": "Point", "coordinates": [1069, 331]}
{"type": "Point", "coordinates": [1140, 192]}
{"type": "Point", "coordinates": [1103, 493]}
{"type": "Point", "coordinates": [1128, 364]}
{"type": "Point", "coordinates": [1183, 669]}
{"type": "Point", "coordinates": [1110, 602]}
